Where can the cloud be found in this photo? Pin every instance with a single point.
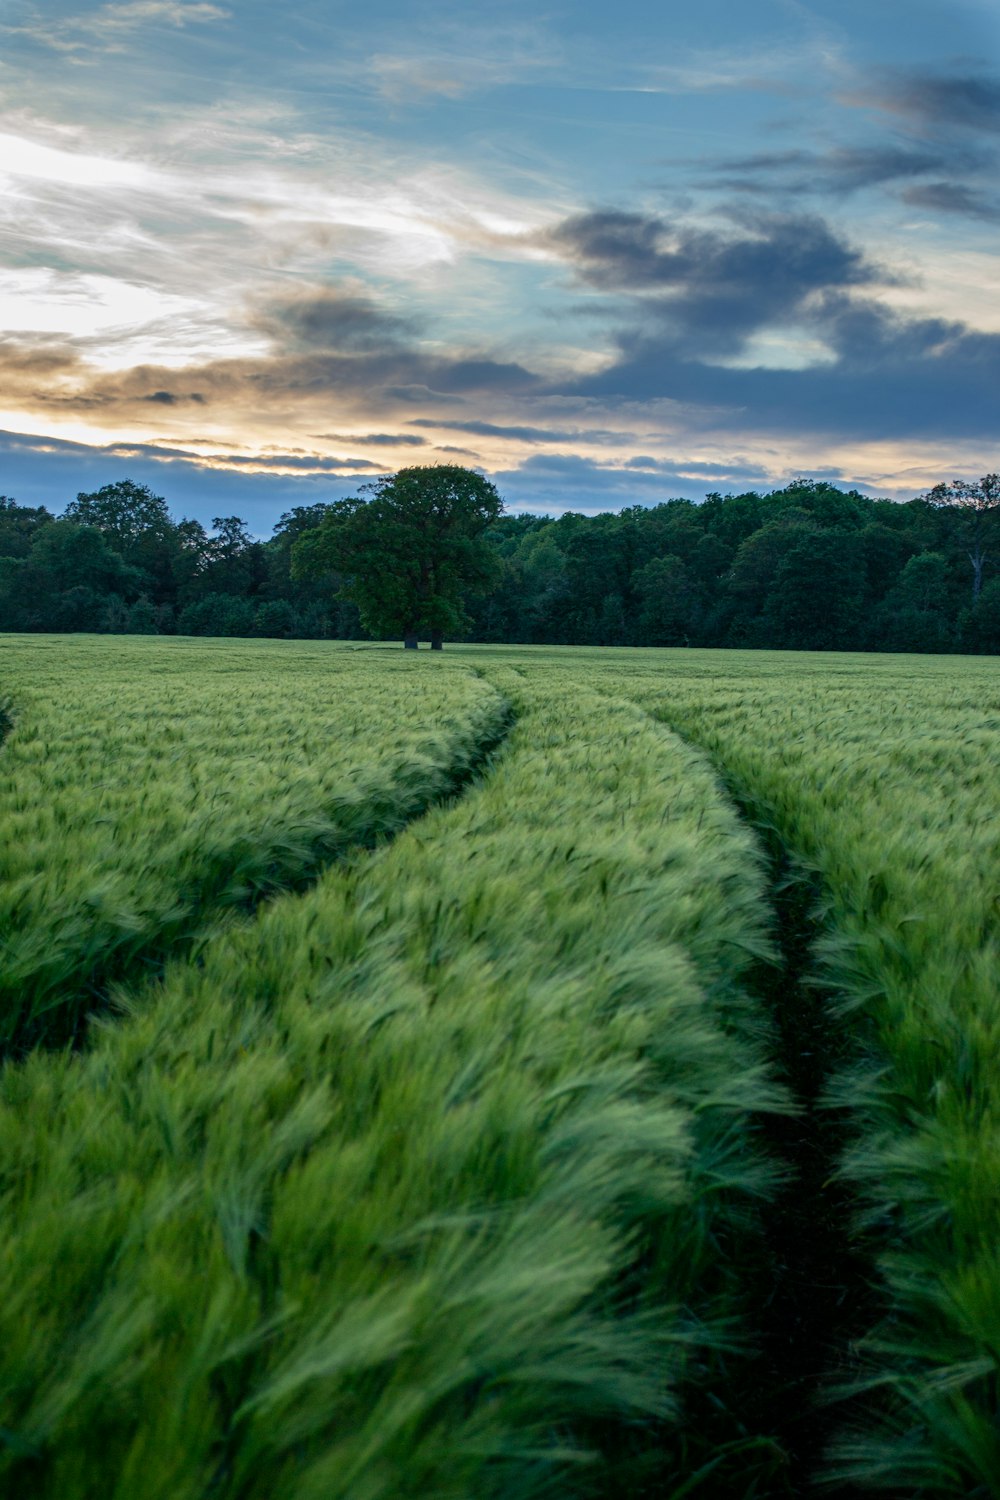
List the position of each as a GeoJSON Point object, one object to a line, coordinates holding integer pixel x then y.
{"type": "Point", "coordinates": [372, 371]}
{"type": "Point", "coordinates": [954, 198]}
{"type": "Point", "coordinates": [713, 288]}
{"type": "Point", "coordinates": [559, 482]}
{"type": "Point", "coordinates": [326, 318]}
{"type": "Point", "coordinates": [892, 378]}
{"type": "Point", "coordinates": [405, 79]}
{"type": "Point", "coordinates": [417, 394]}
{"type": "Point", "coordinates": [171, 398]}
{"type": "Point", "coordinates": [631, 252]}
{"type": "Point", "coordinates": [969, 101]}
{"type": "Point", "coordinates": [297, 460]}
{"type": "Point", "coordinates": [843, 169]}
{"type": "Point", "coordinates": [50, 471]}
{"type": "Point", "coordinates": [133, 13]}
{"type": "Point", "coordinates": [744, 468]}
{"type": "Point", "coordinates": [525, 434]}
{"type": "Point", "coordinates": [453, 58]}
{"type": "Point", "coordinates": [107, 27]}
{"type": "Point", "coordinates": [375, 439]}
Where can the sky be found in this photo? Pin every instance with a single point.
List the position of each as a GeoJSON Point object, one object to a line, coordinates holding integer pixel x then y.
{"type": "Point", "coordinates": [609, 255]}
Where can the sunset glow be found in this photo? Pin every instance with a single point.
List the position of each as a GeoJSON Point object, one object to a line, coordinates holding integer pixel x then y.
{"type": "Point", "coordinates": [608, 259]}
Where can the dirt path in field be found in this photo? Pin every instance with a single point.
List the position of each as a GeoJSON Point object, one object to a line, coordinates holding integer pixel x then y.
{"type": "Point", "coordinates": [813, 1295]}
{"type": "Point", "coordinates": [819, 1300]}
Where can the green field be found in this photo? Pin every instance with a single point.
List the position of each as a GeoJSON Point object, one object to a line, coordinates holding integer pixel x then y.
{"type": "Point", "coordinates": [507, 1073]}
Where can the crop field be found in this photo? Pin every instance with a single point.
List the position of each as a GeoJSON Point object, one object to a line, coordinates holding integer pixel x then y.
{"type": "Point", "coordinates": [452, 1076]}
{"type": "Point", "coordinates": [145, 792]}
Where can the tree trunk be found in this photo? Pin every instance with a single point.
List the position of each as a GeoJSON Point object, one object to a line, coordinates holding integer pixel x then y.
{"type": "Point", "coordinates": [977, 559]}
{"type": "Point", "coordinates": [437, 640]}
{"type": "Point", "coordinates": [410, 640]}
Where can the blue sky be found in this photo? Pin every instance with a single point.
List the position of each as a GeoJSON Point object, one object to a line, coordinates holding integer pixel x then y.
{"type": "Point", "coordinates": [607, 254]}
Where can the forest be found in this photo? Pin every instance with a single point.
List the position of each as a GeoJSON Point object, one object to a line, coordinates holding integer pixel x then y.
{"type": "Point", "coordinates": [807, 567]}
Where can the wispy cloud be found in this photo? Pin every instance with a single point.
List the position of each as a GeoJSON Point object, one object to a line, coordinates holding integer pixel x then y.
{"type": "Point", "coordinates": [107, 28]}
{"type": "Point", "coordinates": [291, 242]}
{"type": "Point", "coordinates": [374, 439]}
{"type": "Point", "coordinates": [522, 434]}
{"type": "Point", "coordinates": [446, 58]}
{"type": "Point", "coordinates": [840, 169]}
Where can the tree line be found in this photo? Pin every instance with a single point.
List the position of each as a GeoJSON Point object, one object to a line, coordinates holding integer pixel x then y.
{"type": "Point", "coordinates": [809, 566]}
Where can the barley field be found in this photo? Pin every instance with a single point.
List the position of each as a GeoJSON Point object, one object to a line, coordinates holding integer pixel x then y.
{"type": "Point", "coordinates": [404, 1085]}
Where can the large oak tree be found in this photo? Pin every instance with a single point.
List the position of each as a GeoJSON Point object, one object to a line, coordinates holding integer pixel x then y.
{"type": "Point", "coordinates": [407, 554]}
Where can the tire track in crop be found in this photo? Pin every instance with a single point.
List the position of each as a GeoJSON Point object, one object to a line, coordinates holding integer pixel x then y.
{"type": "Point", "coordinates": [818, 1292]}
{"type": "Point", "coordinates": [815, 1292]}
{"type": "Point", "coordinates": [147, 964]}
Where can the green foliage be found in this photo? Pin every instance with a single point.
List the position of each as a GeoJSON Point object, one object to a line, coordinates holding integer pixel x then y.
{"type": "Point", "coordinates": [151, 786]}
{"type": "Point", "coordinates": [815, 597]}
{"type": "Point", "coordinates": [219, 615]}
{"type": "Point", "coordinates": [18, 525]}
{"type": "Point", "coordinates": [976, 503]}
{"type": "Point", "coordinates": [125, 513]}
{"type": "Point", "coordinates": [408, 553]}
{"type": "Point", "coordinates": [664, 587]}
{"type": "Point", "coordinates": [442, 1177]}
{"type": "Point", "coordinates": [438, 1179]}
{"type": "Point", "coordinates": [579, 579]}
{"type": "Point", "coordinates": [880, 774]}
{"type": "Point", "coordinates": [980, 625]}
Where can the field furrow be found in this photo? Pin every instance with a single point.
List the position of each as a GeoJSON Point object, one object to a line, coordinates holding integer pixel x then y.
{"type": "Point", "coordinates": [435, 1180]}
{"type": "Point", "coordinates": [144, 794]}
{"type": "Point", "coordinates": [884, 784]}
{"type": "Point", "coordinates": [581, 1140]}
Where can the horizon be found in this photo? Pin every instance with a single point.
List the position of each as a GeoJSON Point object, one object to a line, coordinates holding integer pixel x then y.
{"type": "Point", "coordinates": [255, 261]}
{"type": "Point", "coordinates": [523, 512]}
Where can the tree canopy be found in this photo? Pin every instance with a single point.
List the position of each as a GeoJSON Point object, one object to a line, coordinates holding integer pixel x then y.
{"type": "Point", "coordinates": [407, 555]}
{"type": "Point", "coordinates": [979, 505]}
{"type": "Point", "coordinates": [808, 566]}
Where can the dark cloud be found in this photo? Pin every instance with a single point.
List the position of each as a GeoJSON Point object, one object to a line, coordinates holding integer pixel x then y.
{"type": "Point", "coordinates": [559, 463]}
{"type": "Point", "coordinates": [700, 295]}
{"type": "Point", "coordinates": [713, 289]}
{"type": "Point", "coordinates": [452, 376]}
{"type": "Point", "coordinates": [422, 395]}
{"type": "Point", "coordinates": [308, 463]}
{"type": "Point", "coordinates": [524, 434]}
{"type": "Point", "coordinates": [891, 378]}
{"type": "Point", "coordinates": [786, 255]}
{"type": "Point", "coordinates": [321, 318]}
{"type": "Point", "coordinates": [46, 375]}
{"type": "Point", "coordinates": [50, 471]}
{"type": "Point", "coordinates": [163, 453]}
{"type": "Point", "coordinates": [844, 169]}
{"type": "Point", "coordinates": [954, 198]}
{"type": "Point", "coordinates": [171, 398]}
{"type": "Point", "coordinates": [559, 482]}
{"type": "Point", "coordinates": [969, 101]}
{"type": "Point", "coordinates": [737, 466]}
{"type": "Point", "coordinates": [376, 439]}
{"type": "Point", "coordinates": [573, 466]}
{"type": "Point", "coordinates": [325, 337]}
